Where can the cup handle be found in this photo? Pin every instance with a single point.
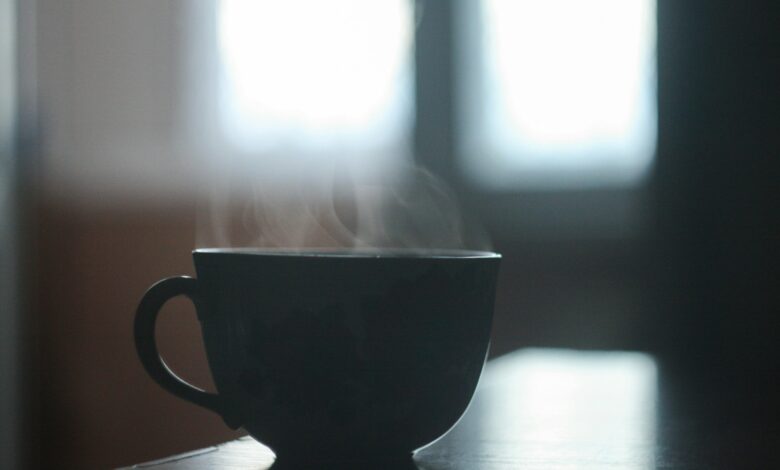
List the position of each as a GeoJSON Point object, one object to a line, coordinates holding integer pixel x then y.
{"type": "Point", "coordinates": [145, 344]}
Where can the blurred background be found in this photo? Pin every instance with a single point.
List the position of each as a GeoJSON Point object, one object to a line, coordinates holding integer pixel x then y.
{"type": "Point", "coordinates": [621, 154]}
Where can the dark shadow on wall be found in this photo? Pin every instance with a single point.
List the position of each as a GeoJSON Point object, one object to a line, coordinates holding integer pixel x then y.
{"type": "Point", "coordinates": [716, 192]}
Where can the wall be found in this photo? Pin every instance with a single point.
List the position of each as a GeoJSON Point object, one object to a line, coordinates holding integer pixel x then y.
{"type": "Point", "coordinates": [98, 407]}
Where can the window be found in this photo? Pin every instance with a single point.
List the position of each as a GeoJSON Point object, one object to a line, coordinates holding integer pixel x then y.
{"type": "Point", "coordinates": [556, 93]}
{"type": "Point", "coordinates": [317, 78]}
{"type": "Point", "coordinates": [541, 112]}
{"type": "Point", "coordinates": [552, 93]}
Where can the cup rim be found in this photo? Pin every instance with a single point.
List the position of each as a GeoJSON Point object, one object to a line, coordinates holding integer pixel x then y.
{"type": "Point", "coordinates": [357, 253]}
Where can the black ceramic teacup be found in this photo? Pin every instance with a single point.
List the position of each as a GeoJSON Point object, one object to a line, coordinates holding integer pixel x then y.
{"type": "Point", "coordinates": [334, 355]}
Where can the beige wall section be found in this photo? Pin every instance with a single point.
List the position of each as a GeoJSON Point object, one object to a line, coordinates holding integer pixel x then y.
{"type": "Point", "coordinates": [116, 86]}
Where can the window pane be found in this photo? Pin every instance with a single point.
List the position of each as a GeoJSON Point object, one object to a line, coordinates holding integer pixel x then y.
{"type": "Point", "coordinates": [312, 77]}
{"type": "Point", "coordinates": [557, 93]}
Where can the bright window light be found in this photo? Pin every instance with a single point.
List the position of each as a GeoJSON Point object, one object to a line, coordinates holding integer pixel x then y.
{"type": "Point", "coordinates": [558, 93]}
{"type": "Point", "coordinates": [315, 77]}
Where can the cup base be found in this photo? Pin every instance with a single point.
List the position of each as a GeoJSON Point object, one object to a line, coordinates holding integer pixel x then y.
{"type": "Point", "coordinates": [395, 461]}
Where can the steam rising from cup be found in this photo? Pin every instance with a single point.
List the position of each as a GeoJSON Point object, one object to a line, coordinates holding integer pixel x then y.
{"type": "Point", "coordinates": [385, 208]}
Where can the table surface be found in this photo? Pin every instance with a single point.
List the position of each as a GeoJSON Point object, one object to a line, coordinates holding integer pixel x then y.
{"type": "Point", "coordinates": [559, 409]}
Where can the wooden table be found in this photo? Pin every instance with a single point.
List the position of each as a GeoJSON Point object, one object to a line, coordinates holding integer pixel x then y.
{"type": "Point", "coordinates": [558, 409]}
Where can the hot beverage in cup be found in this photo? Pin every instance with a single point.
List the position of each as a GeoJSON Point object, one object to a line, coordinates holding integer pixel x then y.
{"type": "Point", "coordinates": [334, 355]}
